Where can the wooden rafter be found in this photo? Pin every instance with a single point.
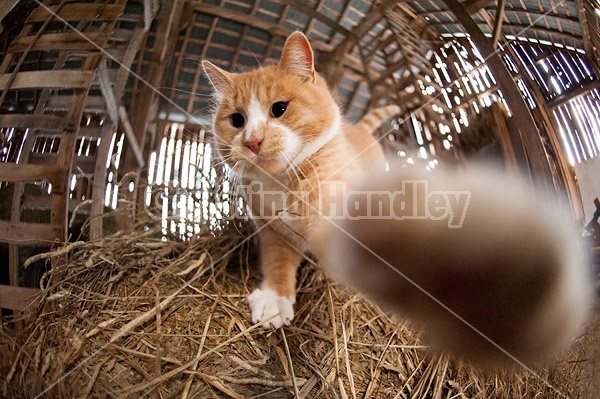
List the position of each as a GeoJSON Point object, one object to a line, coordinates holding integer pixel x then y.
{"type": "Point", "coordinates": [472, 6]}
{"type": "Point", "coordinates": [525, 13]}
{"type": "Point", "coordinates": [245, 19]}
{"type": "Point", "coordinates": [583, 21]}
{"type": "Point", "coordinates": [169, 18]}
{"type": "Point", "coordinates": [315, 14]}
{"type": "Point", "coordinates": [497, 31]}
{"type": "Point", "coordinates": [572, 94]}
{"type": "Point", "coordinates": [332, 64]}
{"type": "Point", "coordinates": [6, 6]}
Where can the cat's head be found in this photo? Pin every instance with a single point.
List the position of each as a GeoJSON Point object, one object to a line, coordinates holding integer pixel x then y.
{"type": "Point", "coordinates": [275, 116]}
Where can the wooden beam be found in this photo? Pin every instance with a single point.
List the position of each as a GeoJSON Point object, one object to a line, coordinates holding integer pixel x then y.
{"type": "Point", "coordinates": [332, 63]}
{"type": "Point", "coordinates": [17, 298]}
{"type": "Point", "coordinates": [47, 80]}
{"type": "Point", "coordinates": [60, 194]}
{"type": "Point", "coordinates": [7, 61]}
{"type": "Point", "coordinates": [498, 23]}
{"type": "Point", "coordinates": [99, 187]}
{"type": "Point", "coordinates": [81, 164]}
{"type": "Point", "coordinates": [381, 45]}
{"type": "Point", "coordinates": [69, 41]}
{"type": "Point", "coordinates": [272, 28]}
{"type": "Point", "coordinates": [139, 35]}
{"type": "Point", "coordinates": [503, 135]}
{"type": "Point", "coordinates": [245, 19]}
{"type": "Point", "coordinates": [573, 93]}
{"type": "Point", "coordinates": [144, 111]}
{"type": "Point", "coordinates": [523, 13]}
{"type": "Point", "coordinates": [148, 14]}
{"type": "Point", "coordinates": [78, 12]}
{"type": "Point", "coordinates": [540, 172]}
{"type": "Point", "coordinates": [49, 122]}
{"type": "Point", "coordinates": [240, 17]}
{"type": "Point", "coordinates": [13, 172]}
{"type": "Point", "coordinates": [30, 233]}
{"type": "Point", "coordinates": [515, 30]}
{"type": "Point", "coordinates": [303, 7]}
{"type": "Point", "coordinates": [518, 11]}
{"type": "Point", "coordinates": [565, 170]}
{"type": "Point", "coordinates": [472, 6]}
{"type": "Point", "coordinates": [390, 69]}
{"type": "Point", "coordinates": [107, 92]}
{"type": "Point", "coordinates": [61, 102]}
{"type": "Point", "coordinates": [5, 7]}
{"type": "Point", "coordinates": [131, 138]}
{"type": "Point", "coordinates": [90, 131]}
{"type": "Point", "coordinates": [424, 29]}
{"type": "Point", "coordinates": [554, 34]}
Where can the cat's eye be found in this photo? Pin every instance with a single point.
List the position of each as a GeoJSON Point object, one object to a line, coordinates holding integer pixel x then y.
{"type": "Point", "coordinates": [278, 108]}
{"type": "Point", "coordinates": [237, 120]}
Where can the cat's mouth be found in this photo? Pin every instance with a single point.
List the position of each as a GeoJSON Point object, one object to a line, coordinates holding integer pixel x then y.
{"type": "Point", "coordinates": [271, 163]}
{"type": "Point", "coordinates": [266, 158]}
{"type": "Point", "coordinates": [263, 160]}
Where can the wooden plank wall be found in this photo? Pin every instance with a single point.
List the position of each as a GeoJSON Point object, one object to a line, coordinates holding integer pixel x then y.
{"type": "Point", "coordinates": [51, 95]}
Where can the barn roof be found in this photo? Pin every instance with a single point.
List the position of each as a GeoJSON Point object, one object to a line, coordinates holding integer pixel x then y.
{"type": "Point", "coordinates": [364, 47]}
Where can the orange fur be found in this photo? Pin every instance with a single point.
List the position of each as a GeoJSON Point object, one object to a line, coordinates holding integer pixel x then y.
{"type": "Point", "coordinates": [306, 146]}
{"type": "Point", "coordinates": [529, 293]}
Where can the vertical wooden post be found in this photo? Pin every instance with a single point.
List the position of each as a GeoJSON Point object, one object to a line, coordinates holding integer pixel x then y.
{"type": "Point", "coordinates": [566, 171]}
{"type": "Point", "coordinates": [144, 112]}
{"type": "Point", "coordinates": [99, 187]}
{"type": "Point", "coordinates": [503, 134]}
{"type": "Point", "coordinates": [169, 17]}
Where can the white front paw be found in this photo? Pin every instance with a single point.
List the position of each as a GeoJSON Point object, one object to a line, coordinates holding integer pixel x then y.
{"type": "Point", "coordinates": [272, 310]}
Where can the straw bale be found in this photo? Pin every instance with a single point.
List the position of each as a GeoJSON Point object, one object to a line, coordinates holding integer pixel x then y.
{"type": "Point", "coordinates": [139, 315]}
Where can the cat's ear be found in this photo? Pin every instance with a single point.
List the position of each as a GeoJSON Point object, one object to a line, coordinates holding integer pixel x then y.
{"type": "Point", "coordinates": [220, 79]}
{"type": "Point", "coordinates": [297, 56]}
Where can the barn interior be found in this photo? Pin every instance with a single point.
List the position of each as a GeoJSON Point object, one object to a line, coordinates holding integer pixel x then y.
{"type": "Point", "coordinates": [123, 273]}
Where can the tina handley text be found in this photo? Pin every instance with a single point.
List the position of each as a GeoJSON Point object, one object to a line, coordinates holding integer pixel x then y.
{"type": "Point", "coordinates": [414, 201]}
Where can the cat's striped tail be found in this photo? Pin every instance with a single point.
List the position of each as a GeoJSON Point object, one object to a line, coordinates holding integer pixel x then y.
{"type": "Point", "coordinates": [376, 117]}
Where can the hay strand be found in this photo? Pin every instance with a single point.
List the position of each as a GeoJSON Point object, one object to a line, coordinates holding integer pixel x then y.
{"type": "Point", "coordinates": [139, 314]}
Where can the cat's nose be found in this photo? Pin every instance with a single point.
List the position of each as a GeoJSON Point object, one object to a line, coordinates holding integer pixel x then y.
{"type": "Point", "coordinates": [254, 144]}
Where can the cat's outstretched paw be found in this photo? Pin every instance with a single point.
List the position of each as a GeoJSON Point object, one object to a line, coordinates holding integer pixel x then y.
{"type": "Point", "coordinates": [265, 303]}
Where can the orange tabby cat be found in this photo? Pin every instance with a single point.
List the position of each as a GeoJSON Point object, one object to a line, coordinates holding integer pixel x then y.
{"type": "Point", "coordinates": [279, 126]}
{"type": "Point", "coordinates": [281, 132]}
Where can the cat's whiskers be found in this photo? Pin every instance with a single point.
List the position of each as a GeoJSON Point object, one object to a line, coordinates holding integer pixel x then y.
{"type": "Point", "coordinates": [287, 173]}
{"type": "Point", "coordinates": [237, 173]}
{"type": "Point", "coordinates": [316, 173]}
{"type": "Point", "coordinates": [185, 91]}
{"type": "Point", "coordinates": [223, 161]}
{"type": "Point", "coordinates": [292, 168]}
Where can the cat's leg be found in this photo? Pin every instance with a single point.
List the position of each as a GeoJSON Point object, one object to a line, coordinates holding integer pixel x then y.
{"type": "Point", "coordinates": [273, 303]}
